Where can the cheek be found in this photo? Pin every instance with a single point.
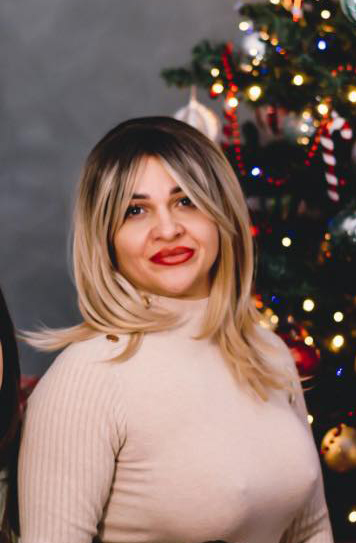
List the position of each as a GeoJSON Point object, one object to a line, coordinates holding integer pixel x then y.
{"type": "Point", "coordinates": [129, 244]}
{"type": "Point", "coordinates": [212, 240]}
{"type": "Point", "coordinates": [216, 237]}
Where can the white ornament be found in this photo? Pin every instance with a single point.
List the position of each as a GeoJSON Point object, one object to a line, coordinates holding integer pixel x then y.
{"type": "Point", "coordinates": [200, 117]}
{"type": "Point", "coordinates": [349, 225]}
{"type": "Point", "coordinates": [296, 127]}
{"type": "Point", "coordinates": [253, 46]}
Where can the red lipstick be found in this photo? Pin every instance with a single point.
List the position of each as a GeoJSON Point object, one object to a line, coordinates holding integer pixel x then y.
{"type": "Point", "coordinates": [172, 257]}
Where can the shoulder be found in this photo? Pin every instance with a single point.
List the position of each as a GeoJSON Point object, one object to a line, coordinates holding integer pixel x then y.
{"type": "Point", "coordinates": [98, 348]}
{"type": "Point", "coordinates": [271, 337]}
{"type": "Point", "coordinates": [280, 356]}
{"type": "Point", "coordinates": [83, 369]}
{"type": "Point", "coordinates": [81, 394]}
{"type": "Point", "coordinates": [90, 354]}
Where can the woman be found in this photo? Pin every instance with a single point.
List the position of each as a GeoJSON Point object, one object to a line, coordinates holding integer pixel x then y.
{"type": "Point", "coordinates": [9, 425]}
{"type": "Point", "coordinates": [172, 415]}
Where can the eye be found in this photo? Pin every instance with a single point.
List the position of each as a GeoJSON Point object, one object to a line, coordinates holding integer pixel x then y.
{"type": "Point", "coordinates": [186, 202]}
{"type": "Point", "coordinates": [133, 211]}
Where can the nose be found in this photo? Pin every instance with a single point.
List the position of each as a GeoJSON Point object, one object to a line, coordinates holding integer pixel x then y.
{"type": "Point", "coordinates": [166, 226]}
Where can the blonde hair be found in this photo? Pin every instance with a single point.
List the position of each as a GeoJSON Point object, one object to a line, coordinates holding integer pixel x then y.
{"type": "Point", "coordinates": [110, 304]}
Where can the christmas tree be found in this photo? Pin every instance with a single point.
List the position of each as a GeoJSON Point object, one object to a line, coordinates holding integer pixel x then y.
{"type": "Point", "coordinates": [294, 64]}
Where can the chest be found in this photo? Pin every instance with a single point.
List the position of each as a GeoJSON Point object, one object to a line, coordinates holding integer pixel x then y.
{"type": "Point", "coordinates": [201, 451]}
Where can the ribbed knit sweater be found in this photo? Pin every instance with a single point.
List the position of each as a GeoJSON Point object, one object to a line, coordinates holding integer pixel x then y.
{"type": "Point", "coordinates": [166, 447]}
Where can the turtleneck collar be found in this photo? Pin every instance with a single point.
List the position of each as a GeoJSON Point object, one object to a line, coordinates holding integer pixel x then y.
{"type": "Point", "coordinates": [180, 305]}
{"type": "Point", "coordinates": [191, 312]}
{"type": "Point", "coordinates": [189, 309]}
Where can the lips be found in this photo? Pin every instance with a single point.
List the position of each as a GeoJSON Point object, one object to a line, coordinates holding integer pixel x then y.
{"type": "Point", "coordinates": [172, 257]}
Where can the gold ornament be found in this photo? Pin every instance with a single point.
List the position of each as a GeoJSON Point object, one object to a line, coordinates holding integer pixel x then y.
{"type": "Point", "coordinates": [338, 448]}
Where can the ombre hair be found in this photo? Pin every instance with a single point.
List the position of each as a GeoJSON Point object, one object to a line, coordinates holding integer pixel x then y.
{"type": "Point", "coordinates": [109, 304]}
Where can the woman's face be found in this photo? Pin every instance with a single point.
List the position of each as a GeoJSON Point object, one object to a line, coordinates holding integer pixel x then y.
{"type": "Point", "coordinates": [166, 245]}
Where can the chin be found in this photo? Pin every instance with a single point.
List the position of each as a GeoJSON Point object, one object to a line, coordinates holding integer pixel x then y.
{"type": "Point", "coordinates": [178, 291]}
{"type": "Point", "coordinates": [174, 292]}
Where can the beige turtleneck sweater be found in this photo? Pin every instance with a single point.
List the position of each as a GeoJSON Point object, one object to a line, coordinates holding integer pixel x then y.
{"type": "Point", "coordinates": [165, 448]}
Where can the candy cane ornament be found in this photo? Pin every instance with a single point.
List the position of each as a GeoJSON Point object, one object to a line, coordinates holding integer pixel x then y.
{"type": "Point", "coordinates": [341, 125]}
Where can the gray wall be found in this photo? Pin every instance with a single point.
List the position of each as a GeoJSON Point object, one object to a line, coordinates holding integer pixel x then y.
{"type": "Point", "coordinates": [70, 70]}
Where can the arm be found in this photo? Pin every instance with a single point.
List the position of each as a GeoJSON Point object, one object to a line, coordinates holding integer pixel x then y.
{"type": "Point", "coordinates": [67, 458]}
{"type": "Point", "coordinates": [312, 524]}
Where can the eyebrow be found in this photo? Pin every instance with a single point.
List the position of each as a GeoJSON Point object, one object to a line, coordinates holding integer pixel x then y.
{"type": "Point", "coordinates": [137, 196]}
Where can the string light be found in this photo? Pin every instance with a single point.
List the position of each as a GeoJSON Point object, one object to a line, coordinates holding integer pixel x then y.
{"type": "Point", "coordinates": [244, 25]}
{"type": "Point", "coordinates": [325, 14]}
{"type": "Point", "coordinates": [306, 115]}
{"type": "Point", "coordinates": [338, 316]}
{"type": "Point", "coordinates": [352, 516]}
{"type": "Point", "coordinates": [308, 305]}
{"type": "Point", "coordinates": [298, 80]}
{"type": "Point", "coordinates": [274, 41]}
{"type": "Point", "coordinates": [297, 10]}
{"type": "Point", "coordinates": [232, 115]}
{"type": "Point", "coordinates": [309, 341]}
{"type": "Point", "coordinates": [323, 109]}
{"type": "Point", "coordinates": [217, 88]}
{"type": "Point", "coordinates": [233, 101]}
{"type": "Point", "coordinates": [321, 45]}
{"type": "Point", "coordinates": [339, 372]}
{"type": "Point", "coordinates": [246, 67]}
{"type": "Point", "coordinates": [264, 36]}
{"type": "Point", "coordinates": [254, 92]}
{"type": "Point", "coordinates": [256, 171]}
{"type": "Point", "coordinates": [286, 242]}
{"type": "Point", "coordinates": [310, 418]}
{"type": "Point", "coordinates": [352, 96]}
{"type": "Point", "coordinates": [275, 2]}
{"type": "Point", "coordinates": [337, 341]}
{"type": "Point", "coordinates": [274, 319]}
{"type": "Point", "coordinates": [215, 72]}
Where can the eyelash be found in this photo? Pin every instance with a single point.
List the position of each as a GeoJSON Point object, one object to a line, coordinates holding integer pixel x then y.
{"type": "Point", "coordinates": [130, 210]}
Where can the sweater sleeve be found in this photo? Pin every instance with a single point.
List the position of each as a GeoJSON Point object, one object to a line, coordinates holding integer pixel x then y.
{"type": "Point", "coordinates": [312, 524]}
{"type": "Point", "coordinates": [73, 431]}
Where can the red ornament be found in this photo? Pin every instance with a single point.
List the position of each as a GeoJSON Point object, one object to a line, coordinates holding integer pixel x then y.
{"type": "Point", "coordinates": [27, 384]}
{"type": "Point", "coordinates": [254, 230]}
{"type": "Point", "coordinates": [270, 118]}
{"type": "Point", "coordinates": [307, 358]}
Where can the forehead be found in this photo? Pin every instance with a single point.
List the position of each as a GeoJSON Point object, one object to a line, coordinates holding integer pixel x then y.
{"type": "Point", "coordinates": [152, 178]}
